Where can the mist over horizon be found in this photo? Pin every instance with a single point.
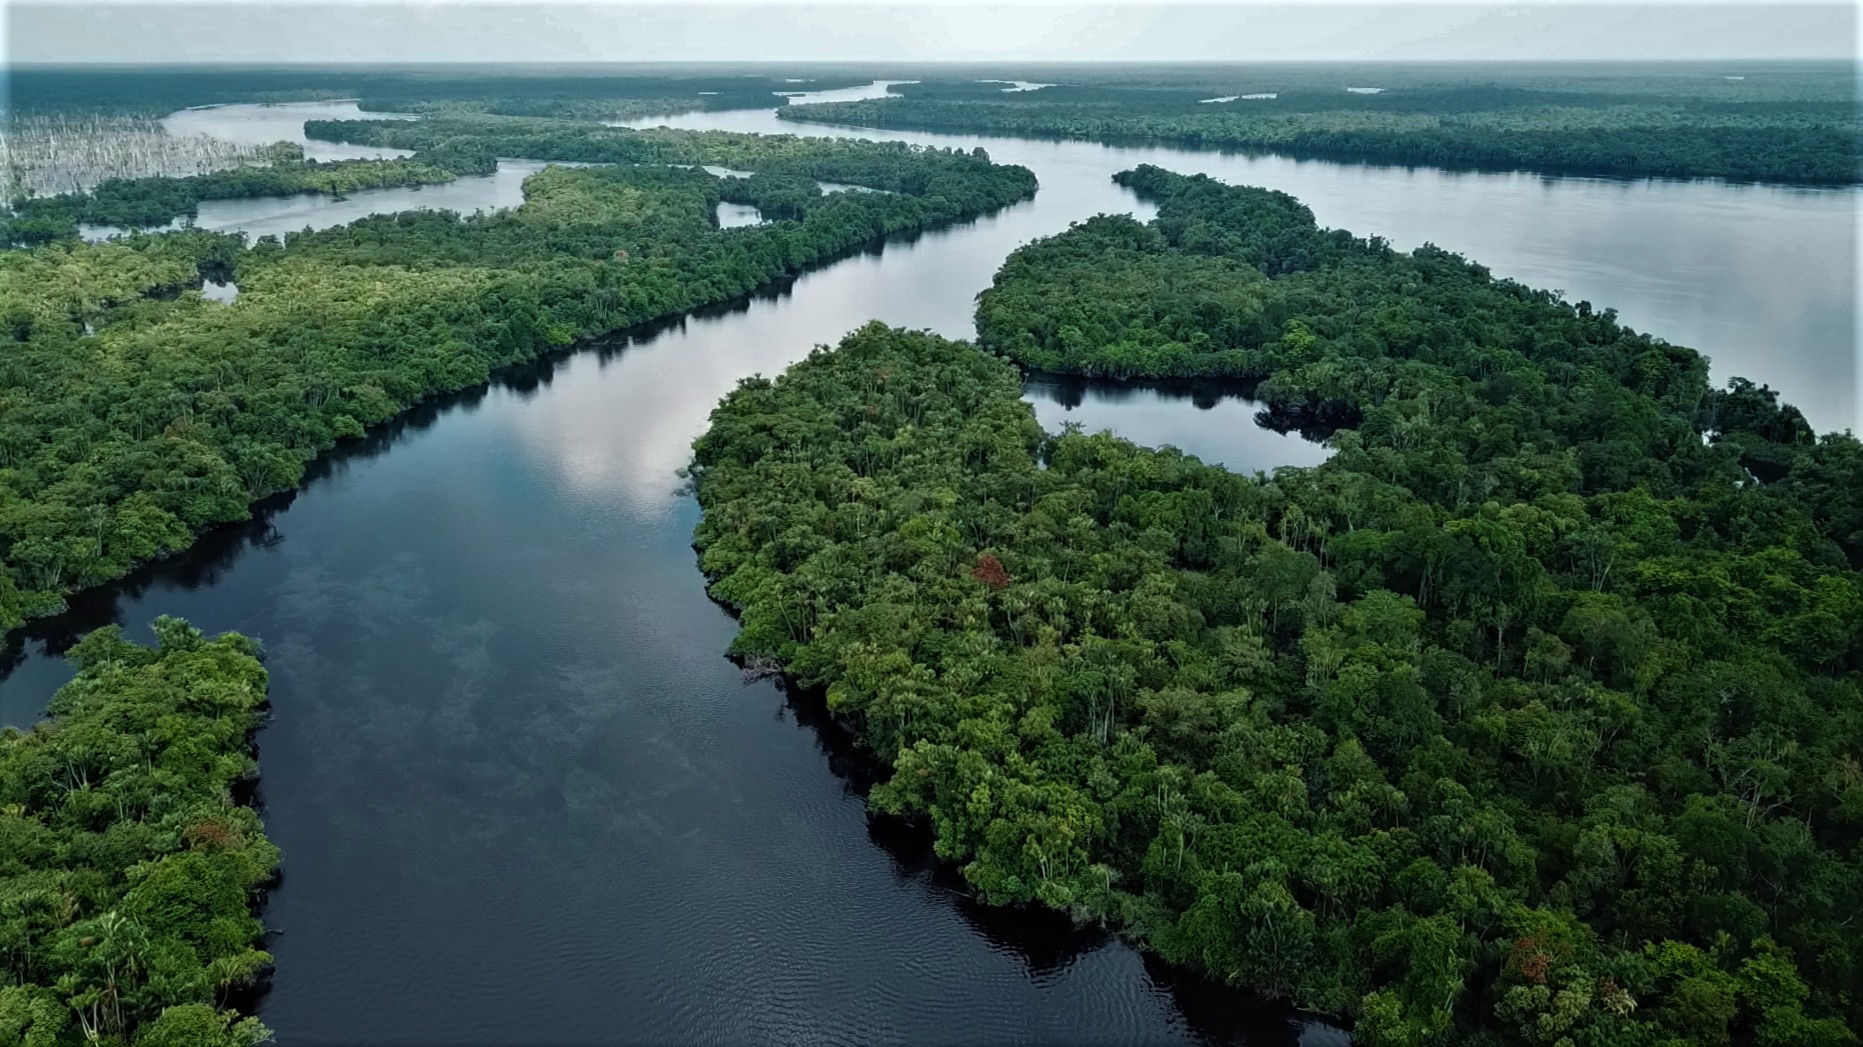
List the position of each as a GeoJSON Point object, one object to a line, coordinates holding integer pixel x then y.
{"type": "Point", "coordinates": [282, 32]}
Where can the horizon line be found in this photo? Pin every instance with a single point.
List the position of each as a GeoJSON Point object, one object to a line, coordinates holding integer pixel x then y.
{"type": "Point", "coordinates": [273, 64]}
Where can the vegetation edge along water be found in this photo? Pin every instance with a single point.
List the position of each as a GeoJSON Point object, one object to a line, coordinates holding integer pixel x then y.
{"type": "Point", "coordinates": [1258, 925]}
{"type": "Point", "coordinates": [1803, 129]}
{"type": "Point", "coordinates": [1533, 716]}
{"type": "Point", "coordinates": [132, 419]}
{"type": "Point", "coordinates": [135, 415]}
{"type": "Point", "coordinates": [133, 203]}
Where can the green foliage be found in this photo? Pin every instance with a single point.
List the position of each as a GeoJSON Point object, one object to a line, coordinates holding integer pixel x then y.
{"type": "Point", "coordinates": [1461, 737]}
{"type": "Point", "coordinates": [155, 201]}
{"type": "Point", "coordinates": [1585, 123]}
{"type": "Point", "coordinates": [128, 870]}
{"type": "Point", "coordinates": [132, 418]}
{"type": "Point", "coordinates": [937, 175]}
{"type": "Point", "coordinates": [1457, 385]}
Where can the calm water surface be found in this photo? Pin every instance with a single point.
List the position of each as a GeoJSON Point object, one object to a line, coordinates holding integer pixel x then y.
{"type": "Point", "coordinates": [524, 800]}
{"type": "Point", "coordinates": [733, 216]}
{"type": "Point", "coordinates": [1762, 279]}
{"type": "Point", "coordinates": [284, 122]}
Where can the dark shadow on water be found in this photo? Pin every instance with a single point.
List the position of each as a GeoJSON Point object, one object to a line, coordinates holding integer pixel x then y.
{"type": "Point", "coordinates": [1311, 423]}
{"type": "Point", "coordinates": [1220, 1015]}
{"type": "Point", "coordinates": [1045, 941]}
{"type": "Point", "coordinates": [1071, 390]}
{"type": "Point", "coordinates": [216, 550]}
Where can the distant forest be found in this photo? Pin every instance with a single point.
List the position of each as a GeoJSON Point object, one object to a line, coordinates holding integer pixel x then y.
{"type": "Point", "coordinates": [161, 90]}
{"type": "Point", "coordinates": [1780, 122]}
{"type": "Point", "coordinates": [1789, 124]}
{"type": "Point", "coordinates": [1534, 716]}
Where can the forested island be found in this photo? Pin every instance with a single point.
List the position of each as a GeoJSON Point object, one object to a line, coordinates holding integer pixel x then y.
{"type": "Point", "coordinates": [150, 202]}
{"type": "Point", "coordinates": [130, 863]}
{"type": "Point", "coordinates": [132, 418]}
{"type": "Point", "coordinates": [1781, 122]}
{"type": "Point", "coordinates": [1533, 716]}
{"type": "Point", "coordinates": [1792, 126]}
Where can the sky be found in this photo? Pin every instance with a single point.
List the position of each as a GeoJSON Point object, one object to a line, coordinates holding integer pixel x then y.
{"type": "Point", "coordinates": [1027, 30]}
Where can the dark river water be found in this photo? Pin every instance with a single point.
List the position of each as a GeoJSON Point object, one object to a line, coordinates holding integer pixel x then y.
{"type": "Point", "coordinates": [522, 797]}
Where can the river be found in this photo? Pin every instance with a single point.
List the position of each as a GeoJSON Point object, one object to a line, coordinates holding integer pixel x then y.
{"type": "Point", "coordinates": [524, 800]}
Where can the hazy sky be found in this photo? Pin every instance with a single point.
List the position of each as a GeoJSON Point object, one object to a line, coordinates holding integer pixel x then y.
{"type": "Point", "coordinates": [462, 30]}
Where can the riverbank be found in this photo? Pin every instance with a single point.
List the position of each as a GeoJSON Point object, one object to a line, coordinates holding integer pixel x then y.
{"type": "Point", "coordinates": [424, 305]}
{"type": "Point", "coordinates": [516, 780]}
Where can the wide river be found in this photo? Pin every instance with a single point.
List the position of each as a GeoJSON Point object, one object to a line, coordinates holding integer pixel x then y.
{"type": "Point", "coordinates": [522, 797]}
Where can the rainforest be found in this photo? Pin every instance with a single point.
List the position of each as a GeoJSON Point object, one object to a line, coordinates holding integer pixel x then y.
{"type": "Point", "coordinates": [130, 860]}
{"type": "Point", "coordinates": [1531, 716]}
{"type": "Point", "coordinates": [1801, 128]}
{"type": "Point", "coordinates": [134, 418]}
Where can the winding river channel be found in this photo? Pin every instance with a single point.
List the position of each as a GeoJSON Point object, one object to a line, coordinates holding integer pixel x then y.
{"type": "Point", "coordinates": [522, 797]}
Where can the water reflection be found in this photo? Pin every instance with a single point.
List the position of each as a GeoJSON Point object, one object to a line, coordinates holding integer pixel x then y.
{"type": "Point", "coordinates": [93, 233]}
{"type": "Point", "coordinates": [733, 216]}
{"type": "Point", "coordinates": [877, 89]}
{"type": "Point", "coordinates": [1223, 428]}
{"type": "Point", "coordinates": [523, 799]}
{"type": "Point", "coordinates": [284, 122]}
{"type": "Point", "coordinates": [1760, 278]}
{"type": "Point", "coordinates": [845, 187]}
{"type": "Point", "coordinates": [276, 215]}
{"type": "Point", "coordinates": [1018, 86]}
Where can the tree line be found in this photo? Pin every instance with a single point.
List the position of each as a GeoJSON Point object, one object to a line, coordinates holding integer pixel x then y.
{"type": "Point", "coordinates": [155, 91]}
{"type": "Point", "coordinates": [923, 171]}
{"type": "Point", "coordinates": [1530, 717]}
{"type": "Point", "coordinates": [133, 414]}
{"type": "Point", "coordinates": [1565, 129]}
{"type": "Point", "coordinates": [149, 202]}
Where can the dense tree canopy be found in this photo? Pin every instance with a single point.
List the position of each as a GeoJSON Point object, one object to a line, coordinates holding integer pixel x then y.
{"type": "Point", "coordinates": [131, 419]}
{"type": "Point", "coordinates": [129, 867]}
{"type": "Point", "coordinates": [1568, 127]}
{"type": "Point", "coordinates": [1243, 283]}
{"type": "Point", "coordinates": [894, 166]}
{"type": "Point", "coordinates": [1533, 716]}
